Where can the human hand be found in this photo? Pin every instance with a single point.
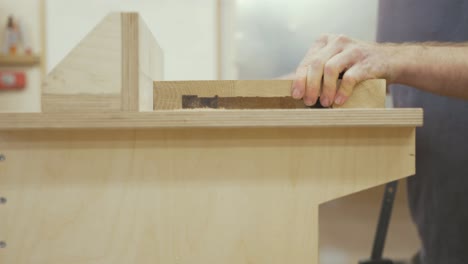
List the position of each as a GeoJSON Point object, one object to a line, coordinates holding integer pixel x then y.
{"type": "Point", "coordinates": [317, 74]}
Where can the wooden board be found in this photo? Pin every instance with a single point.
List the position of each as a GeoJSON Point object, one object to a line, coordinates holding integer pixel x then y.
{"type": "Point", "coordinates": [120, 57]}
{"type": "Point", "coordinates": [168, 94]}
{"type": "Point", "coordinates": [197, 196]}
{"type": "Point", "coordinates": [81, 103]}
{"type": "Point", "coordinates": [93, 65]}
{"type": "Point", "coordinates": [130, 50]}
{"type": "Point", "coordinates": [217, 118]}
{"type": "Point", "coordinates": [19, 60]}
{"type": "Point", "coordinates": [150, 64]}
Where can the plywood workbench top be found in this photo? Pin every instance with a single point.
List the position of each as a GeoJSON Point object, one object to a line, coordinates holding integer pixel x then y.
{"type": "Point", "coordinates": [216, 118]}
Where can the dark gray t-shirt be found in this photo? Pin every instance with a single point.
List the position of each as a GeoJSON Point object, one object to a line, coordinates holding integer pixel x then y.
{"type": "Point", "coordinates": [438, 194]}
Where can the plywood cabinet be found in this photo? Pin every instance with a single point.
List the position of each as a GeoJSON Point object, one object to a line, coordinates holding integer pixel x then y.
{"type": "Point", "coordinates": [132, 185]}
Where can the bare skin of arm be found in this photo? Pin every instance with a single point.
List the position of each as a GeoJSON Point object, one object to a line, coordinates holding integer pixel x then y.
{"type": "Point", "coordinates": [440, 68]}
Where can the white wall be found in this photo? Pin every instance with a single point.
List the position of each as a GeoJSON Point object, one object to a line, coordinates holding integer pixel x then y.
{"type": "Point", "coordinates": [185, 30]}
{"type": "Point", "coordinates": [272, 36]}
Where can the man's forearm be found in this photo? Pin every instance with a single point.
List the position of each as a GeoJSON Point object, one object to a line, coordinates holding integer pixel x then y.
{"type": "Point", "coordinates": [440, 68]}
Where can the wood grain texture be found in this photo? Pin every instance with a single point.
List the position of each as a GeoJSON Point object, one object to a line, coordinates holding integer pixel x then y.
{"type": "Point", "coordinates": [184, 196]}
{"type": "Point", "coordinates": [367, 94]}
{"type": "Point", "coordinates": [130, 50]}
{"type": "Point", "coordinates": [217, 118]}
{"type": "Point", "coordinates": [168, 94]}
{"type": "Point", "coordinates": [93, 66]}
{"type": "Point", "coordinates": [150, 63]}
{"type": "Point", "coordinates": [80, 102]}
{"type": "Point", "coordinates": [19, 60]}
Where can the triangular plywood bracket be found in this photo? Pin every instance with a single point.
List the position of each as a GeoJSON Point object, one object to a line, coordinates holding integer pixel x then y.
{"type": "Point", "coordinates": [111, 69]}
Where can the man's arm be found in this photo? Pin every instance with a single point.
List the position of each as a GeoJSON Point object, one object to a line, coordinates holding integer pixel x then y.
{"type": "Point", "coordinates": [440, 68]}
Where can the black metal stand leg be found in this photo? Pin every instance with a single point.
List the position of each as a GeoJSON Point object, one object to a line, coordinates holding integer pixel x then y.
{"type": "Point", "coordinates": [382, 226]}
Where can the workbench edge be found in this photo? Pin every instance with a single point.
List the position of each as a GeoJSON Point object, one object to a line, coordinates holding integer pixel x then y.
{"type": "Point", "coordinates": [401, 117]}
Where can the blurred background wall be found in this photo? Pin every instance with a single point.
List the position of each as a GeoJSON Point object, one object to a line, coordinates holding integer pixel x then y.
{"type": "Point", "coordinates": [272, 36]}
{"type": "Point", "coordinates": [185, 29]}
{"type": "Point", "coordinates": [219, 39]}
{"type": "Point", "coordinates": [28, 14]}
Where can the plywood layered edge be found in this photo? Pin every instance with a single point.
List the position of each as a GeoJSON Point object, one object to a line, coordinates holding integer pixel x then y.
{"type": "Point", "coordinates": [409, 117]}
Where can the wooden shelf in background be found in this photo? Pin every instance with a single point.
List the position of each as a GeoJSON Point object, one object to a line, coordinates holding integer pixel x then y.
{"type": "Point", "coordinates": [19, 60]}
